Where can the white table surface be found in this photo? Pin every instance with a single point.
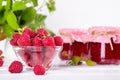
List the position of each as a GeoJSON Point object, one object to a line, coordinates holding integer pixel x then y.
{"type": "Point", "coordinates": [65, 72]}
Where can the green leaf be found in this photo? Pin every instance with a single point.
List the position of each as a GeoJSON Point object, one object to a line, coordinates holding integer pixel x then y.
{"type": "Point", "coordinates": [26, 1]}
{"type": "Point", "coordinates": [35, 26]}
{"type": "Point", "coordinates": [90, 63]}
{"type": "Point", "coordinates": [2, 20]}
{"type": "Point", "coordinates": [8, 4]}
{"type": "Point", "coordinates": [35, 2]}
{"type": "Point", "coordinates": [18, 5]}
{"type": "Point", "coordinates": [6, 13]}
{"type": "Point", "coordinates": [40, 18]}
{"type": "Point", "coordinates": [51, 32]}
{"type": "Point", "coordinates": [51, 5]}
{"type": "Point", "coordinates": [0, 4]}
{"type": "Point", "coordinates": [18, 13]}
{"type": "Point", "coordinates": [76, 60]}
{"type": "Point", "coordinates": [39, 21]}
{"type": "Point", "coordinates": [8, 31]}
{"type": "Point", "coordinates": [28, 14]}
{"type": "Point", "coordinates": [12, 21]}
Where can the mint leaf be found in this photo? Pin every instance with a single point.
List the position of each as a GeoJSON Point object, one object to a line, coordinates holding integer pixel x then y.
{"type": "Point", "coordinates": [34, 26]}
{"type": "Point", "coordinates": [8, 31]}
{"type": "Point", "coordinates": [38, 22]}
{"type": "Point", "coordinates": [51, 5]}
{"type": "Point", "coordinates": [8, 4]}
{"type": "Point", "coordinates": [76, 60]}
{"type": "Point", "coordinates": [26, 1]}
{"type": "Point", "coordinates": [18, 13]}
{"type": "Point", "coordinates": [51, 32]}
{"type": "Point", "coordinates": [28, 14]}
{"type": "Point", "coordinates": [12, 21]}
{"type": "Point", "coordinates": [40, 18]}
{"type": "Point", "coordinates": [0, 4]}
{"type": "Point", "coordinates": [6, 13]}
{"type": "Point", "coordinates": [2, 20]}
{"type": "Point", "coordinates": [18, 5]}
{"type": "Point", "coordinates": [90, 63]}
{"type": "Point", "coordinates": [35, 2]}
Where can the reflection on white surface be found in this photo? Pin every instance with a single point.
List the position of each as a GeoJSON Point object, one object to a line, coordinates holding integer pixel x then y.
{"type": "Point", "coordinates": [66, 72]}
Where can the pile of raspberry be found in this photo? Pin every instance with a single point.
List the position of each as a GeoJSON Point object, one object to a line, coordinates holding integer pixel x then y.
{"type": "Point", "coordinates": [42, 57]}
{"type": "Point", "coordinates": [40, 37]}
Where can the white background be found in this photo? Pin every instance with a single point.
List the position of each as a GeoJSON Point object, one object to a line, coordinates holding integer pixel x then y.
{"type": "Point", "coordinates": [84, 14]}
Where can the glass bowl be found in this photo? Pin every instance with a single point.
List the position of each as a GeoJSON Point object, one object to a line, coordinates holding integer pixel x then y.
{"type": "Point", "coordinates": [31, 55]}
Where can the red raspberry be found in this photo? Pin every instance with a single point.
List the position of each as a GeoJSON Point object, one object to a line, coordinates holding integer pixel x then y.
{"type": "Point", "coordinates": [1, 62]}
{"type": "Point", "coordinates": [58, 41]}
{"type": "Point", "coordinates": [30, 32]}
{"type": "Point", "coordinates": [15, 67]}
{"type": "Point", "coordinates": [25, 55]}
{"type": "Point", "coordinates": [1, 52]}
{"type": "Point", "coordinates": [50, 52]}
{"type": "Point", "coordinates": [16, 35]}
{"type": "Point", "coordinates": [39, 70]}
{"type": "Point", "coordinates": [13, 41]}
{"type": "Point", "coordinates": [37, 58]}
{"type": "Point", "coordinates": [49, 41]}
{"type": "Point", "coordinates": [24, 40]}
{"type": "Point", "coordinates": [30, 63]}
{"type": "Point", "coordinates": [42, 32]}
{"type": "Point", "coordinates": [37, 41]}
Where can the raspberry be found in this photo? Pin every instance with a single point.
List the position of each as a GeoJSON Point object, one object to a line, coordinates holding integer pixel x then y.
{"type": "Point", "coordinates": [16, 35]}
{"type": "Point", "coordinates": [49, 41]}
{"type": "Point", "coordinates": [13, 41]}
{"type": "Point", "coordinates": [1, 62]}
{"type": "Point", "coordinates": [15, 67]}
{"type": "Point", "coordinates": [30, 63]}
{"type": "Point", "coordinates": [58, 41]}
{"type": "Point", "coordinates": [50, 52]}
{"type": "Point", "coordinates": [1, 52]}
{"type": "Point", "coordinates": [30, 32]}
{"type": "Point", "coordinates": [42, 32]}
{"type": "Point", "coordinates": [24, 40]}
{"type": "Point", "coordinates": [25, 55]}
{"type": "Point", "coordinates": [37, 41]}
{"type": "Point", "coordinates": [37, 58]}
{"type": "Point", "coordinates": [39, 70]}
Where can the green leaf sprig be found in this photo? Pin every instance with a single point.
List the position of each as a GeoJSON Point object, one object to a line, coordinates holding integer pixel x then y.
{"type": "Point", "coordinates": [15, 14]}
{"type": "Point", "coordinates": [77, 60]}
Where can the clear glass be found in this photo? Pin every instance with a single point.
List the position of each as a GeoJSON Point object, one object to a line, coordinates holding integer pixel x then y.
{"type": "Point", "coordinates": [31, 55]}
